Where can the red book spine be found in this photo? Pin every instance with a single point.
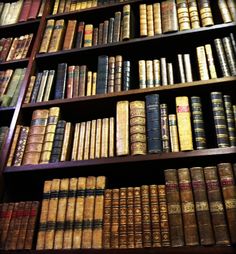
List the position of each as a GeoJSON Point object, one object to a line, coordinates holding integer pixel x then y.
{"type": "Point", "coordinates": [25, 10]}
{"type": "Point", "coordinates": [34, 9]}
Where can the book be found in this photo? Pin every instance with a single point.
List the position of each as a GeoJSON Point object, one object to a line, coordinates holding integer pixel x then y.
{"type": "Point", "coordinates": [106, 229]}
{"type": "Point", "coordinates": [224, 11]}
{"type": "Point", "coordinates": [69, 35]}
{"type": "Point", "coordinates": [165, 133]}
{"type": "Point", "coordinates": [57, 36]}
{"type": "Point", "coordinates": [193, 14]}
{"type": "Point", "coordinates": [123, 221]}
{"type": "Point", "coordinates": [174, 135]}
{"type": "Point", "coordinates": [47, 36]}
{"type": "Point", "coordinates": [114, 230]}
{"type": "Point", "coordinates": [205, 13]}
{"type": "Point", "coordinates": [183, 15]}
{"type": "Point", "coordinates": [169, 17]}
{"type": "Point", "coordinates": [34, 9]}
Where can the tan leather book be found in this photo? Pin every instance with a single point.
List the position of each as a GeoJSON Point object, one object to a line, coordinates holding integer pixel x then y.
{"type": "Point", "coordinates": [143, 19]}
{"type": "Point", "coordinates": [67, 141]}
{"type": "Point", "coordinates": [14, 144]}
{"type": "Point", "coordinates": [205, 230]}
{"type": "Point", "coordinates": [232, 9]}
{"type": "Point", "coordinates": [106, 230]}
{"type": "Point", "coordinates": [43, 216]}
{"type": "Point", "coordinates": [70, 35]}
{"type": "Point", "coordinates": [12, 49]}
{"type": "Point", "coordinates": [88, 217]}
{"type": "Point", "coordinates": [142, 74]}
{"type": "Point", "coordinates": [55, 7]}
{"type": "Point", "coordinates": [92, 139]}
{"type": "Point", "coordinates": [61, 214]}
{"type": "Point", "coordinates": [61, 6]}
{"type": "Point", "coordinates": [67, 6]}
{"type": "Point", "coordinates": [57, 36]}
{"type": "Point", "coordinates": [216, 204]}
{"type": "Point", "coordinates": [114, 232]}
{"type": "Point", "coordinates": [89, 83]}
{"type": "Point", "coordinates": [138, 233]}
{"type": "Point", "coordinates": [202, 63]}
{"type": "Point", "coordinates": [52, 214]}
{"type": "Point", "coordinates": [224, 11]}
{"type": "Point", "coordinates": [6, 78]}
{"type": "Point", "coordinates": [80, 153]}
{"type": "Point", "coordinates": [150, 20]}
{"type": "Point", "coordinates": [174, 135]}
{"type": "Point", "coordinates": [70, 211]}
{"type": "Point", "coordinates": [98, 212]}
{"type": "Point", "coordinates": [169, 17]}
{"type": "Point", "coordinates": [183, 15]}
{"type": "Point", "coordinates": [123, 220]}
{"type": "Point", "coordinates": [157, 18]}
{"type": "Point", "coordinates": [87, 140]}
{"type": "Point", "coordinates": [53, 117]}
{"type": "Point", "coordinates": [88, 35]}
{"type": "Point", "coordinates": [98, 139]}
{"type": "Point", "coordinates": [210, 61]}
{"type": "Point", "coordinates": [188, 207]}
{"type": "Point", "coordinates": [27, 45]}
{"type": "Point", "coordinates": [174, 208]}
{"type": "Point", "coordinates": [104, 138]}
{"type": "Point", "coordinates": [205, 13]}
{"type": "Point", "coordinates": [30, 89]}
{"type": "Point", "coordinates": [79, 212]}
{"type": "Point", "coordinates": [184, 123]}
{"type": "Point", "coordinates": [193, 14]}
{"type": "Point", "coordinates": [42, 85]}
{"type": "Point", "coordinates": [130, 217]}
{"type": "Point", "coordinates": [126, 22]}
{"type": "Point", "coordinates": [111, 138]}
{"type": "Point", "coordinates": [75, 142]}
{"type": "Point", "coordinates": [122, 128]}
{"type": "Point", "coordinates": [228, 189]}
{"type": "Point", "coordinates": [47, 36]}
{"type": "Point", "coordinates": [94, 84]}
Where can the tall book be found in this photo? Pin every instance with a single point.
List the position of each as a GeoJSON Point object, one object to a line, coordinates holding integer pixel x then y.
{"type": "Point", "coordinates": [169, 17]}
{"type": "Point", "coordinates": [47, 36]}
{"type": "Point", "coordinates": [57, 36]}
{"type": "Point", "coordinates": [69, 35]}
{"type": "Point", "coordinates": [123, 221]}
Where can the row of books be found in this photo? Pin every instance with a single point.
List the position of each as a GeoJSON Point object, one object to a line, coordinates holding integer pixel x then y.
{"type": "Point", "coordinates": [178, 213]}
{"type": "Point", "coordinates": [17, 224]}
{"type": "Point", "coordinates": [19, 11]}
{"type": "Point", "coordinates": [141, 127]}
{"type": "Point", "coordinates": [3, 136]}
{"type": "Point", "coordinates": [10, 84]}
{"type": "Point", "coordinates": [62, 6]}
{"type": "Point", "coordinates": [15, 48]}
{"type": "Point", "coordinates": [62, 35]}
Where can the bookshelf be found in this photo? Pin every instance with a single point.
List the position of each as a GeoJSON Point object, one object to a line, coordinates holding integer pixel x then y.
{"type": "Point", "coordinates": [121, 171]}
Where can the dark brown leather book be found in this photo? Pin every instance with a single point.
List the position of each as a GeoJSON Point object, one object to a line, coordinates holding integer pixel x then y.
{"type": "Point", "coordinates": [123, 218]}
{"type": "Point", "coordinates": [205, 229]}
{"type": "Point", "coordinates": [130, 218]}
{"type": "Point", "coordinates": [34, 9]}
{"type": "Point", "coordinates": [80, 35]}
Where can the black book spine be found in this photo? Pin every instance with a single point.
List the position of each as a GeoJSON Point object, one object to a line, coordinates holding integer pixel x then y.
{"type": "Point", "coordinates": [60, 81]}
{"type": "Point", "coordinates": [102, 75]}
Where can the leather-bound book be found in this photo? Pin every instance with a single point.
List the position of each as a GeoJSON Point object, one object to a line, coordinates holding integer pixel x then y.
{"type": "Point", "coordinates": [98, 139]}
{"type": "Point", "coordinates": [88, 35]}
{"type": "Point", "coordinates": [106, 230]}
{"type": "Point", "coordinates": [193, 14]}
{"type": "Point", "coordinates": [5, 81]}
{"type": "Point", "coordinates": [87, 140]}
{"type": "Point", "coordinates": [57, 37]}
{"type": "Point", "coordinates": [104, 138]}
{"type": "Point", "coordinates": [34, 9]}
{"type": "Point", "coordinates": [228, 189]}
{"type": "Point", "coordinates": [157, 18]}
{"type": "Point", "coordinates": [12, 49]}
{"type": "Point", "coordinates": [27, 44]}
{"type": "Point", "coordinates": [61, 213]}
{"type": "Point", "coordinates": [111, 75]}
{"type": "Point", "coordinates": [55, 7]}
{"type": "Point", "coordinates": [164, 221]}
{"type": "Point", "coordinates": [41, 9]}
{"type": "Point", "coordinates": [82, 80]}
{"type": "Point", "coordinates": [67, 141]}
{"type": "Point", "coordinates": [48, 88]}
{"type": "Point", "coordinates": [118, 73]}
{"type": "Point", "coordinates": [82, 132]}
{"type": "Point", "coordinates": [35, 139]}
{"type": "Point", "coordinates": [98, 212]}
{"type": "Point", "coordinates": [130, 218]}
{"type": "Point", "coordinates": [205, 229]}
{"type": "Point", "coordinates": [169, 16]}
{"type": "Point", "coordinates": [117, 27]}
{"type": "Point", "coordinates": [70, 214]}
{"type": "Point", "coordinates": [183, 15]}
{"type": "Point", "coordinates": [6, 48]}
{"type": "Point", "coordinates": [111, 138]}
{"type": "Point", "coordinates": [92, 140]}
{"type": "Point", "coordinates": [126, 76]}
{"type": "Point", "coordinates": [110, 30]}
{"type": "Point", "coordinates": [3, 217]}
{"type": "Point", "coordinates": [216, 204]}
{"type": "Point", "coordinates": [76, 81]}
{"type": "Point", "coordinates": [149, 73]}
{"type": "Point", "coordinates": [232, 9]}
{"type": "Point", "coordinates": [42, 85]}
{"type": "Point", "coordinates": [70, 81]}
{"type": "Point", "coordinates": [174, 135]}
{"type": "Point", "coordinates": [79, 212]}
{"type": "Point", "coordinates": [123, 218]}
{"type": "Point", "coordinates": [105, 31]}
{"type": "Point", "coordinates": [80, 34]}
{"type": "Point", "coordinates": [102, 75]}
{"type": "Point", "coordinates": [165, 133]}
{"type": "Point", "coordinates": [205, 10]}
{"type": "Point", "coordinates": [202, 63]}
{"type": "Point", "coordinates": [30, 89]}
{"type": "Point", "coordinates": [47, 36]}
{"type": "Point", "coordinates": [60, 81]}
{"type": "Point", "coordinates": [31, 226]}
{"type": "Point", "coordinates": [174, 208]}
{"type": "Point", "coordinates": [143, 20]}
{"type": "Point", "coordinates": [228, 48]}
{"type": "Point", "coordinates": [88, 218]}
{"type": "Point", "coordinates": [155, 216]}
{"type": "Point", "coordinates": [210, 61]}
{"type": "Point", "coordinates": [150, 20]}
{"type": "Point", "coordinates": [122, 128]}
{"type": "Point", "coordinates": [43, 216]}
{"type": "Point", "coordinates": [188, 207]}
{"type": "Point", "coordinates": [70, 35]}
{"type": "Point", "coordinates": [127, 22]}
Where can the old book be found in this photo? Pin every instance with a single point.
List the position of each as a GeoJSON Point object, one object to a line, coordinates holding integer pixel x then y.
{"type": "Point", "coordinates": [228, 189]}
{"type": "Point", "coordinates": [31, 226]}
{"type": "Point", "coordinates": [174, 208]}
{"type": "Point", "coordinates": [153, 123]}
{"type": "Point", "coordinates": [94, 83]}
{"type": "Point", "coordinates": [34, 9]}
{"type": "Point", "coordinates": [142, 74]}
{"type": "Point", "coordinates": [87, 140]}
{"type": "Point", "coordinates": [105, 31]}
{"type": "Point", "coordinates": [47, 36]}
{"type": "Point", "coordinates": [55, 7]}
{"type": "Point", "coordinates": [61, 6]}
{"type": "Point", "coordinates": [123, 220]}
{"type": "Point", "coordinates": [188, 207]}
{"type": "Point", "coordinates": [80, 34]}
{"type": "Point", "coordinates": [114, 231]}
{"type": "Point", "coordinates": [198, 123]}
{"type": "Point", "coordinates": [53, 117]}
{"type": "Point", "coordinates": [42, 85]}
{"type": "Point", "coordinates": [210, 61]}
{"type": "Point", "coordinates": [157, 18]}
{"type": "Point", "coordinates": [69, 35]}
{"type": "Point", "coordinates": [164, 75]}
{"type": "Point", "coordinates": [143, 19]}
{"type": "Point", "coordinates": [169, 17]}
{"type": "Point", "coordinates": [98, 212]}
{"type": "Point", "coordinates": [111, 137]}
{"type": "Point", "coordinates": [118, 73]}
{"type": "Point", "coordinates": [193, 14]}
{"type": "Point", "coordinates": [107, 219]}
{"type": "Point", "coordinates": [174, 134]}
{"type": "Point", "coordinates": [88, 35]}
{"type": "Point", "coordinates": [126, 22]}
{"type": "Point", "coordinates": [170, 74]}
{"type": "Point", "coordinates": [14, 144]}
{"type": "Point", "coordinates": [67, 141]}
{"type": "Point", "coordinates": [206, 234]}
{"type": "Point", "coordinates": [224, 11]}
{"type": "Point", "coordinates": [100, 33]}
{"type": "Point", "coordinates": [188, 67]}
{"type": "Point", "coordinates": [6, 78]}
{"type": "Point", "coordinates": [222, 135]}
{"type": "Point", "coordinates": [117, 27]}
{"type": "Point", "coordinates": [104, 138]}
{"type": "Point", "coordinates": [48, 88]}
{"type": "Point", "coordinates": [82, 80]}
{"type": "Point", "coordinates": [146, 216]}
{"type": "Point", "coordinates": [111, 75]}
{"type": "Point", "coordinates": [138, 241]}
{"type": "Point", "coordinates": [110, 30]}
{"type": "Point", "coordinates": [27, 45]}
{"type": "Point", "coordinates": [218, 214]}
{"type": "Point", "coordinates": [122, 128]}
{"type": "Point", "coordinates": [232, 9]}
{"type": "Point", "coordinates": [61, 77]}
{"type": "Point", "coordinates": [57, 36]}
{"type": "Point", "coordinates": [155, 217]}
{"type": "Point", "coordinates": [126, 76]}
{"type": "Point", "coordinates": [130, 218]}
{"type": "Point", "coordinates": [183, 15]}
{"type": "Point", "coordinates": [102, 75]}
{"type": "Point", "coordinates": [76, 81]}
{"type": "Point", "coordinates": [80, 153]}
{"type": "Point", "coordinates": [156, 72]}
{"type": "Point", "coordinates": [6, 48]}
{"type": "Point", "coordinates": [70, 211]}
{"type": "Point", "coordinates": [88, 218]}
{"type": "Point", "coordinates": [228, 47]}
{"type": "Point", "coordinates": [95, 36]}
{"type": "Point", "coordinates": [12, 49]}
{"type": "Point", "coordinates": [52, 214]}
{"type": "Point", "coordinates": [79, 211]}
{"type": "Point", "coordinates": [36, 135]}
{"type": "Point", "coordinates": [165, 132]}
{"type": "Point", "coordinates": [149, 73]}
{"type": "Point", "coordinates": [41, 9]}
{"type": "Point", "coordinates": [92, 140]}
{"type": "Point", "coordinates": [75, 142]}
{"type": "Point", "coordinates": [202, 63]}
{"type": "Point", "coordinates": [184, 123]}
{"type": "Point", "coordinates": [205, 13]}
{"type": "Point", "coordinates": [164, 221]}
{"type": "Point", "coordinates": [61, 213]}
{"type": "Point", "coordinates": [30, 89]}
{"type": "Point", "coordinates": [70, 81]}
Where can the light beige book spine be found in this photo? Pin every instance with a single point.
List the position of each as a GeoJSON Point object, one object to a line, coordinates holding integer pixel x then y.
{"type": "Point", "coordinates": [66, 142]}
{"type": "Point", "coordinates": [104, 139]}
{"type": "Point", "coordinates": [150, 21]}
{"type": "Point", "coordinates": [149, 73]}
{"type": "Point", "coordinates": [210, 61]}
{"type": "Point", "coordinates": [156, 73]}
{"type": "Point", "coordinates": [232, 8]}
{"type": "Point", "coordinates": [157, 18]}
{"type": "Point", "coordinates": [75, 142]}
{"type": "Point", "coordinates": [142, 73]}
{"type": "Point", "coordinates": [224, 11]}
{"type": "Point", "coordinates": [52, 215]}
{"type": "Point", "coordinates": [61, 214]}
{"type": "Point", "coordinates": [87, 140]}
{"type": "Point", "coordinates": [183, 15]}
{"type": "Point", "coordinates": [57, 36]}
{"type": "Point", "coordinates": [94, 83]}
{"type": "Point", "coordinates": [80, 154]}
{"type": "Point", "coordinates": [89, 83]}
{"type": "Point", "coordinates": [126, 22]}
{"type": "Point", "coordinates": [174, 140]}
{"type": "Point", "coordinates": [79, 211]}
{"type": "Point", "coordinates": [122, 128]}
{"type": "Point", "coordinates": [98, 139]}
{"type": "Point", "coordinates": [88, 213]}
{"type": "Point", "coordinates": [143, 19]}
{"type": "Point", "coordinates": [193, 14]}
{"type": "Point", "coordinates": [47, 36]}
{"type": "Point", "coordinates": [98, 212]}
{"type": "Point", "coordinates": [92, 140]}
{"type": "Point", "coordinates": [30, 89]}
{"type": "Point", "coordinates": [14, 144]}
{"type": "Point", "coordinates": [111, 136]}
{"type": "Point", "coordinates": [55, 7]}
{"type": "Point", "coordinates": [202, 63]}
{"type": "Point", "coordinates": [184, 123]}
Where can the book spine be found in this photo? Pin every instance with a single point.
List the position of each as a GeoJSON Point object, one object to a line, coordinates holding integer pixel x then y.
{"type": "Point", "coordinates": [169, 16]}
{"type": "Point", "coordinates": [157, 18]}
{"type": "Point", "coordinates": [102, 75]}
{"type": "Point", "coordinates": [142, 73]}
{"type": "Point", "coordinates": [69, 35]}
{"type": "Point", "coordinates": [126, 76]}
{"type": "Point", "coordinates": [210, 61]}
{"type": "Point", "coordinates": [202, 63]}
{"type": "Point", "coordinates": [106, 231]}
{"type": "Point", "coordinates": [224, 11]}
{"type": "Point", "coordinates": [228, 47]}
{"type": "Point", "coordinates": [60, 81]}
{"type": "Point", "coordinates": [115, 217]}
{"type": "Point", "coordinates": [130, 218]}
{"type": "Point", "coordinates": [80, 35]}
{"type": "Point", "coordinates": [123, 219]}
{"type": "Point", "coordinates": [174, 135]}
{"type": "Point", "coordinates": [111, 75]}
{"type": "Point", "coordinates": [47, 36]}
{"type": "Point", "coordinates": [118, 73]}
{"type": "Point", "coordinates": [183, 15]}
{"type": "Point", "coordinates": [205, 13]}
{"type": "Point", "coordinates": [165, 135]}
{"type": "Point", "coordinates": [57, 36]}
